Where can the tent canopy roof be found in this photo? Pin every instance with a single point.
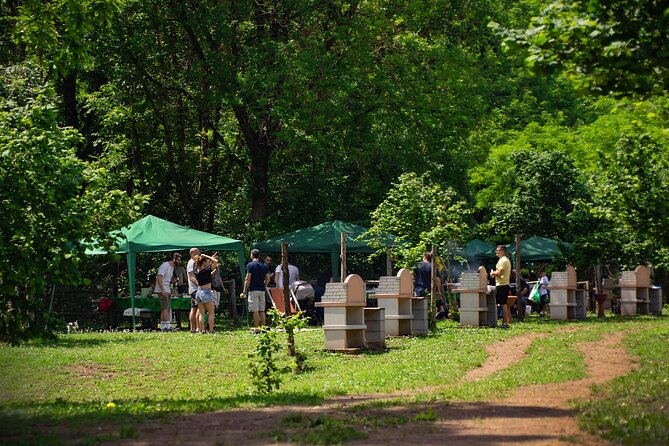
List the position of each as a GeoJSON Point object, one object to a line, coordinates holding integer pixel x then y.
{"type": "Point", "coordinates": [476, 248]}
{"type": "Point", "coordinates": [153, 234]}
{"type": "Point", "coordinates": [536, 249]}
{"type": "Point", "coordinates": [322, 238]}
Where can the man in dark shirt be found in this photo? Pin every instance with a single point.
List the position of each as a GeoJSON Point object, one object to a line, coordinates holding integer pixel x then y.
{"type": "Point", "coordinates": [524, 291]}
{"type": "Point", "coordinates": [423, 279]}
{"type": "Point", "coordinates": [257, 278]}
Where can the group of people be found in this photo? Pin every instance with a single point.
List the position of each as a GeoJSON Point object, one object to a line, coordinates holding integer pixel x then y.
{"type": "Point", "coordinates": [503, 276]}
{"type": "Point", "coordinates": [202, 273]}
{"type": "Point", "coordinates": [202, 280]}
{"type": "Point", "coordinates": [200, 277]}
{"type": "Point", "coordinates": [258, 278]}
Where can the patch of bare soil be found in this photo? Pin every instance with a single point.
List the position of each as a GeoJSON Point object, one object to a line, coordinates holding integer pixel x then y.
{"type": "Point", "coordinates": [91, 370]}
{"type": "Point", "coordinates": [532, 415]}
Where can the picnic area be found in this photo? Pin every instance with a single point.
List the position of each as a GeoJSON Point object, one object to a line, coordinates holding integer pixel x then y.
{"type": "Point", "coordinates": [334, 222]}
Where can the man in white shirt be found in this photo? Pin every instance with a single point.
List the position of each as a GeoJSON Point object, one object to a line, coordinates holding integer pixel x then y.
{"type": "Point", "coordinates": [163, 279]}
{"type": "Point", "coordinates": [293, 275]}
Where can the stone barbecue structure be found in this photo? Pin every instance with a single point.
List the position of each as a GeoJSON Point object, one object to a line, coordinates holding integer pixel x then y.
{"type": "Point", "coordinates": [568, 302]}
{"type": "Point", "coordinates": [394, 294]}
{"type": "Point", "coordinates": [477, 307]}
{"type": "Point", "coordinates": [344, 319]}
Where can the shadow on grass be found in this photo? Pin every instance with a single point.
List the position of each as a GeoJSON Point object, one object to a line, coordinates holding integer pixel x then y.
{"type": "Point", "coordinates": [17, 420]}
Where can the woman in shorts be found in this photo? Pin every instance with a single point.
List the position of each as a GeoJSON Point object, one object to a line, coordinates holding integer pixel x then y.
{"type": "Point", "coordinates": [204, 269]}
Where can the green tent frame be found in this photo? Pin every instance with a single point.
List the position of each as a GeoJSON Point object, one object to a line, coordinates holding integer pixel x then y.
{"type": "Point", "coordinates": [153, 234]}
{"type": "Point", "coordinates": [323, 238]}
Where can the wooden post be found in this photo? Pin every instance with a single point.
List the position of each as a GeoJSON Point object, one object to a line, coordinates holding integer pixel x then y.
{"type": "Point", "coordinates": [389, 263]}
{"type": "Point", "coordinates": [433, 288]}
{"type": "Point", "coordinates": [521, 311]}
{"type": "Point", "coordinates": [286, 279]}
{"type": "Point", "coordinates": [342, 255]}
{"type": "Point", "coordinates": [233, 300]}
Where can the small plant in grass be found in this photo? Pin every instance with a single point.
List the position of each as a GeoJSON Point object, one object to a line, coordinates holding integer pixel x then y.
{"type": "Point", "coordinates": [291, 324]}
{"type": "Point", "coordinates": [427, 415]}
{"type": "Point", "coordinates": [263, 368]}
{"type": "Point", "coordinates": [321, 430]}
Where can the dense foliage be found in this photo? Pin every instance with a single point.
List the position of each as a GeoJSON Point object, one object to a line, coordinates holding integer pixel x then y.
{"type": "Point", "coordinates": [619, 47]}
{"type": "Point", "coordinates": [50, 203]}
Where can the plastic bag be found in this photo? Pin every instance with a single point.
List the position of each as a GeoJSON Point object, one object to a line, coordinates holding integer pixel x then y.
{"type": "Point", "coordinates": [534, 294]}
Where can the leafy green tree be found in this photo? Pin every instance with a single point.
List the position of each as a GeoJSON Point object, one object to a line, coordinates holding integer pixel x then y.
{"type": "Point", "coordinates": [631, 204]}
{"type": "Point", "coordinates": [618, 47]}
{"type": "Point", "coordinates": [421, 213]}
{"type": "Point", "coordinates": [530, 193]}
{"type": "Point", "coordinates": [50, 203]}
{"type": "Point", "coordinates": [58, 33]}
{"type": "Point", "coordinates": [271, 108]}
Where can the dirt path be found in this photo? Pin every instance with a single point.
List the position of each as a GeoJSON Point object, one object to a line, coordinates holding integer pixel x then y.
{"type": "Point", "coordinates": [533, 415]}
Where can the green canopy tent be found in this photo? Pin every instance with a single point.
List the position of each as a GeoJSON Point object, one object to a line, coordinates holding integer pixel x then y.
{"type": "Point", "coordinates": [323, 238]}
{"type": "Point", "coordinates": [536, 248]}
{"type": "Point", "coordinates": [477, 248]}
{"type": "Point", "coordinates": [153, 234]}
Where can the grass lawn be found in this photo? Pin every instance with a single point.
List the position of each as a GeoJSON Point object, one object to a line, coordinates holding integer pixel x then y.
{"type": "Point", "coordinates": [114, 376]}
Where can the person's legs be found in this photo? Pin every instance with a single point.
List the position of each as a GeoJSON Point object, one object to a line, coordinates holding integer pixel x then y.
{"type": "Point", "coordinates": [261, 308]}
{"type": "Point", "coordinates": [506, 314]}
{"type": "Point", "coordinates": [209, 306]}
{"type": "Point", "coordinates": [164, 312]}
{"type": "Point", "coordinates": [200, 317]}
{"type": "Point", "coordinates": [257, 306]}
{"type": "Point", "coordinates": [192, 316]}
{"type": "Point", "coordinates": [253, 301]}
{"type": "Point", "coordinates": [502, 299]}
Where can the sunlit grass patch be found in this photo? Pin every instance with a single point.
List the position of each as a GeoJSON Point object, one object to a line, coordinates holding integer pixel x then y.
{"type": "Point", "coordinates": [634, 409]}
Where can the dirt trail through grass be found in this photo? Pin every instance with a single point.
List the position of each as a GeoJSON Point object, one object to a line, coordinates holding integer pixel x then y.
{"type": "Point", "coordinates": [531, 415]}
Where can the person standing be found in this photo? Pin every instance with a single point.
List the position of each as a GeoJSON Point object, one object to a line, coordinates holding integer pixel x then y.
{"type": "Point", "coordinates": [217, 284]}
{"type": "Point", "coordinates": [192, 289]}
{"type": "Point", "coordinates": [543, 292]}
{"type": "Point", "coordinates": [523, 294]}
{"type": "Point", "coordinates": [204, 267]}
{"type": "Point", "coordinates": [163, 279]}
{"type": "Point", "coordinates": [502, 275]}
{"type": "Point", "coordinates": [293, 275]}
{"type": "Point", "coordinates": [255, 282]}
{"type": "Point", "coordinates": [268, 264]}
{"type": "Point", "coordinates": [423, 281]}
{"type": "Point", "coordinates": [180, 278]}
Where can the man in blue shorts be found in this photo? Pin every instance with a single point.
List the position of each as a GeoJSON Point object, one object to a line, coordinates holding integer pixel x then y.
{"type": "Point", "coordinates": [257, 278]}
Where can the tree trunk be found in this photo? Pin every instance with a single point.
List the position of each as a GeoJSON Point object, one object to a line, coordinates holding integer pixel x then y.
{"type": "Point", "coordinates": [260, 148]}
{"type": "Point", "coordinates": [68, 89]}
{"type": "Point", "coordinates": [260, 178]}
{"type": "Point", "coordinates": [520, 311]}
